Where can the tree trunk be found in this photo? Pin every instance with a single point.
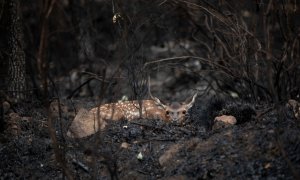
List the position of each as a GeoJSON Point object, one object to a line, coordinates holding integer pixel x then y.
{"type": "Point", "coordinates": [16, 56]}
{"type": "Point", "coordinates": [1, 113]}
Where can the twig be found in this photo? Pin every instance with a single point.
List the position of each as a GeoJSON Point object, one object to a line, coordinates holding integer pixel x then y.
{"type": "Point", "coordinates": [79, 87]}
{"type": "Point", "coordinates": [155, 139]}
{"type": "Point", "coordinates": [81, 165]}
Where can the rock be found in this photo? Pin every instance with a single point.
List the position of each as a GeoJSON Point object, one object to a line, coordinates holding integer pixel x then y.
{"type": "Point", "coordinates": [140, 156]}
{"type": "Point", "coordinates": [226, 119]}
{"type": "Point", "coordinates": [125, 145]}
{"type": "Point", "coordinates": [165, 158]}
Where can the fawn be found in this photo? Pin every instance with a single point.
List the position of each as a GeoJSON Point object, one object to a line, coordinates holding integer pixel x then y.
{"type": "Point", "coordinates": [89, 122]}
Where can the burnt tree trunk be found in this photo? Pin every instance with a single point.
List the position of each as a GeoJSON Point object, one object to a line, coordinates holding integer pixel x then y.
{"type": "Point", "coordinates": [1, 113]}
{"type": "Point", "coordinates": [16, 81]}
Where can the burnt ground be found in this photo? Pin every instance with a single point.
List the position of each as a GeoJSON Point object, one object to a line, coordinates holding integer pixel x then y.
{"type": "Point", "coordinates": [246, 50]}
{"type": "Point", "coordinates": [264, 147]}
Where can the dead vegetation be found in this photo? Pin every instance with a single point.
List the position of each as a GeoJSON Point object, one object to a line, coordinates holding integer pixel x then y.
{"type": "Point", "coordinates": [241, 58]}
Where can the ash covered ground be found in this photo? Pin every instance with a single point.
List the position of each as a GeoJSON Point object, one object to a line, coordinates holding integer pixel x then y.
{"type": "Point", "coordinates": [264, 146]}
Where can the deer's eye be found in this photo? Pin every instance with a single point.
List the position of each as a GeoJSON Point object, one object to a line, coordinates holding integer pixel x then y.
{"type": "Point", "coordinates": [183, 112]}
{"type": "Point", "coordinates": [167, 112]}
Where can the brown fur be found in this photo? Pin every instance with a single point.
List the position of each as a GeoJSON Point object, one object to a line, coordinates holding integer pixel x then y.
{"type": "Point", "coordinates": [89, 122]}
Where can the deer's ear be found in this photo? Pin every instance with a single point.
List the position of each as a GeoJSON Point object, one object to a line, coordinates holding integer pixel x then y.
{"type": "Point", "coordinates": [191, 102]}
{"type": "Point", "coordinates": [158, 102]}
{"type": "Point", "coordinates": [155, 99]}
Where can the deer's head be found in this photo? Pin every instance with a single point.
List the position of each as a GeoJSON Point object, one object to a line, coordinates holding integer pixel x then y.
{"type": "Point", "coordinates": [175, 111]}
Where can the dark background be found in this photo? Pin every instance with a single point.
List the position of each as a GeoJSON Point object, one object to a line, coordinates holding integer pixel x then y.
{"type": "Point", "coordinates": [61, 55]}
{"type": "Point", "coordinates": [250, 48]}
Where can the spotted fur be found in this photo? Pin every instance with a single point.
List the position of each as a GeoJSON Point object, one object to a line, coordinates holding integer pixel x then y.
{"type": "Point", "coordinates": [89, 122]}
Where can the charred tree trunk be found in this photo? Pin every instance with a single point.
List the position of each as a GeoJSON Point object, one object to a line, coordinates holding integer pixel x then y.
{"type": "Point", "coordinates": [1, 113]}
{"type": "Point", "coordinates": [16, 81]}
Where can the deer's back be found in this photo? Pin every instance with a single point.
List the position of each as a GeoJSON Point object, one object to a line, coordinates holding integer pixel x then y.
{"type": "Point", "coordinates": [130, 110]}
{"type": "Point", "coordinates": [88, 122]}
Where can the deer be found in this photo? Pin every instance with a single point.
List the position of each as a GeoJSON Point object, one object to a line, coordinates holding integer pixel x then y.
{"type": "Point", "coordinates": [89, 122]}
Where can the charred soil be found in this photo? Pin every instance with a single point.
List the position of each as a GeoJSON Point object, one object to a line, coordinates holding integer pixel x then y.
{"type": "Point", "coordinates": [265, 147]}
